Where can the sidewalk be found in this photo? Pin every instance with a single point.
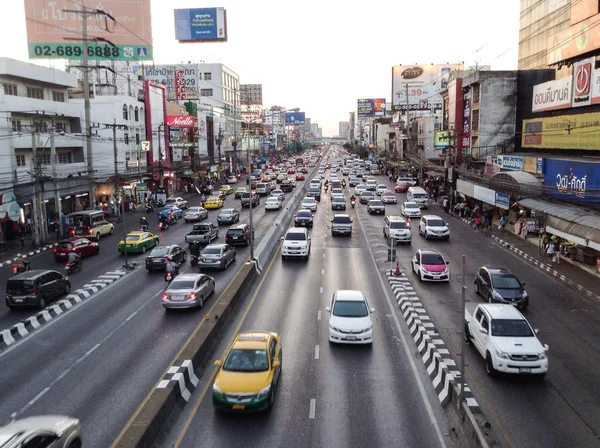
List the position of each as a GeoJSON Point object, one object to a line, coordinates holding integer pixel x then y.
{"type": "Point", "coordinates": [567, 271]}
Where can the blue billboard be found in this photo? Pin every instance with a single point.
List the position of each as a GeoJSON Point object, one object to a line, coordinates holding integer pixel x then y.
{"type": "Point", "coordinates": [572, 181]}
{"type": "Point", "coordinates": [295, 117]}
{"type": "Point", "coordinates": [201, 25]}
{"type": "Point", "coordinates": [511, 163]}
{"type": "Point", "coordinates": [502, 200]}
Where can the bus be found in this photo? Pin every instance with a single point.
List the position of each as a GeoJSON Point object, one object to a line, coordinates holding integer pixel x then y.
{"type": "Point", "coordinates": [89, 224]}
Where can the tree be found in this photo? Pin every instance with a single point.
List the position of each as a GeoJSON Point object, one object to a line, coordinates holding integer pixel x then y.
{"type": "Point", "coordinates": [347, 146]}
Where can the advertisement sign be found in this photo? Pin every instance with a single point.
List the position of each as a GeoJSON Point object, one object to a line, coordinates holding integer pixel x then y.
{"type": "Point", "coordinates": [48, 25]}
{"type": "Point", "coordinates": [155, 103]}
{"type": "Point", "coordinates": [180, 121]}
{"type": "Point", "coordinates": [295, 117]}
{"type": "Point", "coordinates": [422, 83]}
{"type": "Point", "coordinates": [442, 139]}
{"type": "Point", "coordinates": [484, 194]}
{"type": "Point", "coordinates": [582, 82]}
{"type": "Point", "coordinates": [502, 200]}
{"type": "Point", "coordinates": [580, 131]}
{"type": "Point", "coordinates": [552, 95]}
{"type": "Point", "coordinates": [201, 25]}
{"type": "Point", "coordinates": [531, 165]}
{"type": "Point", "coordinates": [371, 107]}
{"type": "Point", "coordinates": [572, 180]}
{"type": "Point", "coordinates": [511, 163]}
{"type": "Point", "coordinates": [251, 94]}
{"type": "Point", "coordinates": [466, 134]}
{"type": "Point", "coordinates": [583, 9]}
{"type": "Point", "coordinates": [596, 86]}
{"type": "Point", "coordinates": [576, 40]}
{"type": "Point", "coordinates": [181, 81]}
{"type": "Point", "coordinates": [202, 134]}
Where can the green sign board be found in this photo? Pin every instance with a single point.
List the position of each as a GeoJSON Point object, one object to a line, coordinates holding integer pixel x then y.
{"type": "Point", "coordinates": [102, 51]}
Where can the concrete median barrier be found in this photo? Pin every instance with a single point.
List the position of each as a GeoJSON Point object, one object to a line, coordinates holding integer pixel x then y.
{"type": "Point", "coordinates": [154, 417]}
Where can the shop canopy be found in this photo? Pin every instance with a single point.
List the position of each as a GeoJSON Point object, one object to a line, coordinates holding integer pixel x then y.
{"type": "Point", "coordinates": [526, 182]}
{"type": "Point", "coordinates": [577, 224]}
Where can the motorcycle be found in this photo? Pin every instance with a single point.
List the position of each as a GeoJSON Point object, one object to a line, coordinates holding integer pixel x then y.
{"type": "Point", "coordinates": [160, 203]}
{"type": "Point", "coordinates": [149, 208]}
{"type": "Point", "coordinates": [163, 225]}
{"type": "Point", "coordinates": [169, 276]}
{"type": "Point", "coordinates": [143, 227]}
{"type": "Point", "coordinates": [194, 260]}
{"type": "Point", "coordinates": [19, 268]}
{"type": "Point", "coordinates": [73, 266]}
{"type": "Point", "coordinates": [353, 203]}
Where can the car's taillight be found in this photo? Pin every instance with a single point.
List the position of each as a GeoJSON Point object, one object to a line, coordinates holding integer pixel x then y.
{"type": "Point", "coordinates": [55, 249]}
{"type": "Point", "coordinates": [15, 269]}
{"type": "Point", "coordinates": [34, 292]}
{"type": "Point", "coordinates": [165, 296]}
{"type": "Point", "coordinates": [219, 259]}
{"type": "Point", "coordinates": [90, 231]}
{"type": "Point", "coordinates": [192, 296]}
{"type": "Point", "coordinates": [147, 260]}
{"type": "Point", "coordinates": [166, 258]}
{"type": "Point", "coordinates": [245, 235]}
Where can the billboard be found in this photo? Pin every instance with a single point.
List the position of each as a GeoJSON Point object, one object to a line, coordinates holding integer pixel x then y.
{"type": "Point", "coordinates": [371, 107]}
{"type": "Point", "coordinates": [510, 163]}
{"type": "Point", "coordinates": [580, 132]}
{"type": "Point", "coordinates": [582, 82]}
{"type": "Point", "coordinates": [295, 117]}
{"type": "Point", "coordinates": [422, 83]}
{"type": "Point", "coordinates": [250, 94]}
{"type": "Point", "coordinates": [552, 95]}
{"type": "Point", "coordinates": [583, 9]}
{"type": "Point", "coordinates": [576, 40]}
{"type": "Point", "coordinates": [441, 139]}
{"type": "Point", "coordinates": [181, 81]}
{"type": "Point", "coordinates": [572, 180]}
{"type": "Point", "coordinates": [156, 114]}
{"type": "Point", "coordinates": [48, 25]}
{"type": "Point", "coordinates": [201, 25]}
{"type": "Point", "coordinates": [180, 121]}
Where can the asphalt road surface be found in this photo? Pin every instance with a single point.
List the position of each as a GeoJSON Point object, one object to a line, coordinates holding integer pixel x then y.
{"type": "Point", "coordinates": [329, 395]}
{"type": "Point", "coordinates": [97, 361]}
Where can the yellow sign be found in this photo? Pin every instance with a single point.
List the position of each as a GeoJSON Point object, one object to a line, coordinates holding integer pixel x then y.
{"type": "Point", "coordinates": [442, 139]}
{"type": "Point", "coordinates": [530, 165]}
{"type": "Point", "coordinates": [581, 132]}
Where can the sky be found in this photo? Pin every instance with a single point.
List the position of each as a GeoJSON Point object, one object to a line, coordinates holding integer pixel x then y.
{"type": "Point", "coordinates": [321, 56]}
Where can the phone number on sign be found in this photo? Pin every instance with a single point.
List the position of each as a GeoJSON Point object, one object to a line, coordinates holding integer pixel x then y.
{"type": "Point", "coordinates": [76, 50]}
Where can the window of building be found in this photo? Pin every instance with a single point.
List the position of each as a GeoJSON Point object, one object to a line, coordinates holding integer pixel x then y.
{"type": "Point", "coordinates": [64, 157]}
{"type": "Point", "coordinates": [124, 111]}
{"type": "Point", "coordinates": [476, 94]}
{"type": "Point", "coordinates": [60, 127]}
{"type": "Point", "coordinates": [35, 92]}
{"type": "Point", "coordinates": [58, 97]}
{"type": "Point", "coordinates": [475, 121]}
{"type": "Point", "coordinates": [10, 89]}
{"type": "Point", "coordinates": [126, 138]}
{"type": "Point", "coordinates": [137, 138]}
{"type": "Point", "coordinates": [206, 92]}
{"type": "Point", "coordinates": [20, 159]}
{"type": "Point", "coordinates": [136, 113]}
{"type": "Point", "coordinates": [131, 112]}
{"type": "Point", "coordinates": [16, 126]}
{"type": "Point", "coordinates": [142, 118]}
{"type": "Point", "coordinates": [207, 76]}
{"type": "Point", "coordinates": [45, 159]}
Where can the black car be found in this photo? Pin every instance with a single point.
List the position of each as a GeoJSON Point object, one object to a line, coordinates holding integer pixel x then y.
{"type": "Point", "coordinates": [366, 196]}
{"type": "Point", "coordinates": [303, 218]}
{"type": "Point", "coordinates": [238, 234]}
{"type": "Point", "coordinates": [35, 288]}
{"type": "Point", "coordinates": [286, 186]}
{"type": "Point", "coordinates": [499, 285]}
{"type": "Point", "coordinates": [314, 192]}
{"type": "Point", "coordinates": [157, 260]}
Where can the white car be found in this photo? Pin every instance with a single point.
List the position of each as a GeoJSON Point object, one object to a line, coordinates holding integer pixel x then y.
{"type": "Point", "coordinates": [350, 318]}
{"type": "Point", "coordinates": [195, 214]}
{"type": "Point", "coordinates": [232, 180]}
{"type": "Point", "coordinates": [411, 209]}
{"type": "Point", "coordinates": [273, 203]}
{"type": "Point", "coordinates": [359, 189]}
{"type": "Point", "coordinates": [389, 197]}
{"type": "Point", "coordinates": [296, 243]}
{"type": "Point", "coordinates": [430, 266]}
{"type": "Point", "coordinates": [278, 194]}
{"type": "Point", "coordinates": [381, 188]}
{"type": "Point", "coordinates": [178, 202]}
{"type": "Point", "coordinates": [309, 204]}
{"type": "Point", "coordinates": [432, 226]}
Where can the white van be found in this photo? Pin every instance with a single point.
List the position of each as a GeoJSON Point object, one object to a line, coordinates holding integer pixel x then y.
{"type": "Point", "coordinates": [418, 195]}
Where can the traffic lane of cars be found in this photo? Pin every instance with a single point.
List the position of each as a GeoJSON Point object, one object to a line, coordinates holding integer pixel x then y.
{"type": "Point", "coordinates": [572, 337]}
{"type": "Point", "coordinates": [137, 340]}
{"type": "Point", "coordinates": [348, 408]}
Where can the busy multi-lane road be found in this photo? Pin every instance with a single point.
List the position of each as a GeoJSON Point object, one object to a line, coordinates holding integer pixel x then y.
{"type": "Point", "coordinates": [97, 361]}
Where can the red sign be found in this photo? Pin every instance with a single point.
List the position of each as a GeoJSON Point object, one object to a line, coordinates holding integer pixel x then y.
{"type": "Point", "coordinates": [180, 121]}
{"type": "Point", "coordinates": [180, 92]}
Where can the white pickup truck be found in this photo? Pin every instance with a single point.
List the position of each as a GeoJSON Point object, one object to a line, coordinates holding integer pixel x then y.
{"type": "Point", "coordinates": [505, 339]}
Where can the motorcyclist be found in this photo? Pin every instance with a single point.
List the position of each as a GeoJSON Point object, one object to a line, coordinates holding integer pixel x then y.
{"type": "Point", "coordinates": [164, 220]}
{"type": "Point", "coordinates": [326, 183]}
{"type": "Point", "coordinates": [21, 262]}
{"type": "Point", "coordinates": [143, 223]}
{"type": "Point", "coordinates": [344, 183]}
{"type": "Point", "coordinates": [74, 258]}
{"type": "Point", "coordinates": [171, 216]}
{"type": "Point", "coordinates": [195, 248]}
{"type": "Point", "coordinates": [352, 198]}
{"type": "Point", "coordinates": [172, 268]}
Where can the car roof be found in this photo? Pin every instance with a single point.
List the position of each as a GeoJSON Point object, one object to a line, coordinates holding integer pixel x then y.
{"type": "Point", "coordinates": [219, 245]}
{"type": "Point", "coordinates": [72, 240]}
{"type": "Point", "coordinates": [297, 230]}
{"type": "Point", "coordinates": [410, 202]}
{"type": "Point", "coordinates": [239, 226]}
{"type": "Point", "coordinates": [30, 275]}
{"type": "Point", "coordinates": [493, 270]}
{"type": "Point", "coordinates": [396, 218]}
{"type": "Point", "coordinates": [502, 311]}
{"type": "Point", "coordinates": [353, 295]}
{"type": "Point", "coordinates": [188, 276]}
{"type": "Point", "coordinates": [252, 339]}
{"type": "Point", "coordinates": [50, 423]}
{"type": "Point", "coordinates": [431, 251]}
{"type": "Point", "coordinates": [227, 210]}
{"type": "Point", "coordinates": [341, 215]}
{"type": "Point", "coordinates": [431, 217]}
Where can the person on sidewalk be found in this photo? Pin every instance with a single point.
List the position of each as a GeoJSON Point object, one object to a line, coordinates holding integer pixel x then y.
{"type": "Point", "coordinates": [503, 223]}
{"type": "Point", "coordinates": [550, 252]}
{"type": "Point", "coordinates": [556, 244]}
{"type": "Point", "coordinates": [446, 205]}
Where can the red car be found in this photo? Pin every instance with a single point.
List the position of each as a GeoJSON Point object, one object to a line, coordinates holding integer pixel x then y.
{"type": "Point", "coordinates": [81, 246]}
{"type": "Point", "coordinates": [291, 171]}
{"type": "Point", "coordinates": [401, 188]}
{"type": "Point", "coordinates": [304, 170]}
{"type": "Point", "coordinates": [299, 176]}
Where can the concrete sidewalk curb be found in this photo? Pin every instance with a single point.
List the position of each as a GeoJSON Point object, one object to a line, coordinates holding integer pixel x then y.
{"type": "Point", "coordinates": [31, 324]}
{"type": "Point", "coordinates": [29, 254]}
{"type": "Point", "coordinates": [441, 368]}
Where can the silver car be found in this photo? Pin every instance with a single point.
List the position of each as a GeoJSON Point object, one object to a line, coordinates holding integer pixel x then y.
{"type": "Point", "coordinates": [228, 216]}
{"type": "Point", "coordinates": [58, 431]}
{"type": "Point", "coordinates": [188, 291]}
{"type": "Point", "coordinates": [218, 256]}
{"type": "Point", "coordinates": [195, 214]}
{"type": "Point", "coordinates": [309, 204]}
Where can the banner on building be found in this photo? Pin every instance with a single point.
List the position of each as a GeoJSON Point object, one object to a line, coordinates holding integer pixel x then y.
{"type": "Point", "coordinates": [532, 165]}
{"type": "Point", "coordinates": [582, 82]}
{"type": "Point", "coordinates": [552, 95]}
{"type": "Point", "coordinates": [442, 139]}
{"type": "Point", "coordinates": [484, 194]}
{"type": "Point", "coordinates": [371, 107]}
{"type": "Point", "coordinates": [581, 132]}
{"type": "Point", "coordinates": [502, 200]}
{"type": "Point", "coordinates": [573, 180]}
{"type": "Point", "coordinates": [510, 163]}
{"type": "Point", "coordinates": [574, 41]}
{"type": "Point", "coordinates": [201, 25]}
{"type": "Point", "coordinates": [295, 117]}
{"type": "Point", "coordinates": [181, 81]}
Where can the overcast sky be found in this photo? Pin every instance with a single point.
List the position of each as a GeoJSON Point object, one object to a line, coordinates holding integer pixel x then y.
{"type": "Point", "coordinates": [321, 56]}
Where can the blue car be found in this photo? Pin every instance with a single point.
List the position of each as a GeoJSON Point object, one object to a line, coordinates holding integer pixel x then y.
{"type": "Point", "coordinates": [166, 210]}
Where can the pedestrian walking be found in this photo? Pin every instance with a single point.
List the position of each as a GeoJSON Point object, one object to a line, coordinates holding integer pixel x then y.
{"type": "Point", "coordinates": [436, 192]}
{"type": "Point", "coordinates": [502, 225]}
{"type": "Point", "coordinates": [556, 244]}
{"type": "Point", "coordinates": [446, 205]}
{"type": "Point", "coordinates": [550, 252]}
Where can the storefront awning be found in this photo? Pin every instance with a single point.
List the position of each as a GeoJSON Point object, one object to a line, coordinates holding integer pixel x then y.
{"type": "Point", "coordinates": [578, 224]}
{"type": "Point", "coordinates": [526, 183]}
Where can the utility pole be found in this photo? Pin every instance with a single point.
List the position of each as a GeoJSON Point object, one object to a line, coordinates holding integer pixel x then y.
{"type": "Point", "coordinates": [120, 207]}
{"type": "Point", "coordinates": [36, 190]}
{"type": "Point", "coordinates": [407, 125]}
{"type": "Point", "coordinates": [160, 160]}
{"type": "Point", "coordinates": [57, 203]}
{"type": "Point", "coordinates": [250, 190]}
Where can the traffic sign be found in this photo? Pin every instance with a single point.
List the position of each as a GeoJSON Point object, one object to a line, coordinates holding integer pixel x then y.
{"type": "Point", "coordinates": [145, 145]}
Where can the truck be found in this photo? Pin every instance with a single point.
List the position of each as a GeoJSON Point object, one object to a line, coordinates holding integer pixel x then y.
{"type": "Point", "coordinates": [505, 340]}
{"type": "Point", "coordinates": [203, 233]}
{"type": "Point", "coordinates": [299, 162]}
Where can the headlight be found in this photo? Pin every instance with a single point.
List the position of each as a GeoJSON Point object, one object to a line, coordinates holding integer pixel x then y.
{"type": "Point", "coordinates": [369, 328]}
{"type": "Point", "coordinates": [542, 355]}
{"type": "Point", "coordinates": [334, 328]}
{"type": "Point", "coordinates": [502, 354]}
{"type": "Point", "coordinates": [264, 391]}
{"type": "Point", "coordinates": [498, 296]}
{"type": "Point", "coordinates": [217, 390]}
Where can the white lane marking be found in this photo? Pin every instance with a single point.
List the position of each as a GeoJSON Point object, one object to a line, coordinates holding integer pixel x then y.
{"type": "Point", "coordinates": [316, 352]}
{"type": "Point", "coordinates": [313, 408]}
{"type": "Point", "coordinates": [319, 315]}
{"type": "Point", "coordinates": [322, 271]}
{"type": "Point", "coordinates": [321, 290]}
{"type": "Point", "coordinates": [38, 396]}
{"type": "Point", "coordinates": [407, 351]}
{"type": "Point", "coordinates": [131, 316]}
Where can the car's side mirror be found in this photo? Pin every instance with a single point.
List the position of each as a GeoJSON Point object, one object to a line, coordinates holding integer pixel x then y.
{"type": "Point", "coordinates": [281, 239]}
{"type": "Point", "coordinates": [372, 310]}
{"type": "Point", "coordinates": [351, 221]}
{"type": "Point", "coordinates": [447, 262]}
{"type": "Point", "coordinates": [327, 309]}
{"type": "Point", "coordinates": [546, 347]}
{"type": "Point", "coordinates": [537, 330]}
{"type": "Point", "coordinates": [523, 284]}
{"type": "Point", "coordinates": [218, 363]}
{"type": "Point", "coordinates": [276, 364]}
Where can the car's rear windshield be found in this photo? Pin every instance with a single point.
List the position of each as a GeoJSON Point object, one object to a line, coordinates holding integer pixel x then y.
{"type": "Point", "coordinates": [211, 251]}
{"type": "Point", "coordinates": [132, 237]}
{"type": "Point", "coordinates": [511, 328]}
{"type": "Point", "coordinates": [182, 284]}
{"type": "Point", "coordinates": [314, 190]}
{"type": "Point", "coordinates": [235, 231]}
{"type": "Point", "coordinates": [18, 286]}
{"type": "Point", "coordinates": [341, 219]}
{"type": "Point", "coordinates": [202, 229]}
{"type": "Point", "coordinates": [65, 245]}
{"type": "Point", "coordinates": [398, 225]}
{"type": "Point", "coordinates": [159, 252]}
{"type": "Point", "coordinates": [295, 236]}
{"type": "Point", "coordinates": [436, 223]}
{"type": "Point", "coordinates": [350, 308]}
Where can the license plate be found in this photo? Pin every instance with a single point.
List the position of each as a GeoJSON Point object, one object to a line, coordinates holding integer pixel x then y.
{"type": "Point", "coordinates": [239, 406]}
{"type": "Point", "coordinates": [351, 338]}
{"type": "Point", "coordinates": [436, 277]}
{"type": "Point", "coordinates": [206, 260]}
{"type": "Point", "coordinates": [235, 238]}
{"type": "Point", "coordinates": [178, 297]}
{"type": "Point", "coordinates": [62, 253]}
{"type": "Point", "coordinates": [18, 299]}
{"type": "Point", "coordinates": [524, 369]}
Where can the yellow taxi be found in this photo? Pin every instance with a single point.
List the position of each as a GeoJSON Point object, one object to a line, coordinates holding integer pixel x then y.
{"type": "Point", "coordinates": [239, 192]}
{"type": "Point", "coordinates": [213, 202]}
{"type": "Point", "coordinates": [138, 242]}
{"type": "Point", "coordinates": [247, 377]}
{"type": "Point", "coordinates": [226, 189]}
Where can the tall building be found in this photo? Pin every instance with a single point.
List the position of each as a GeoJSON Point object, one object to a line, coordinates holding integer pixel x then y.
{"type": "Point", "coordinates": [344, 129]}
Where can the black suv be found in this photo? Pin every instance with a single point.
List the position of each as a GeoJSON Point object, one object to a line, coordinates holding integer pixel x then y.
{"type": "Point", "coordinates": [157, 260]}
{"type": "Point", "coordinates": [35, 288]}
{"type": "Point", "coordinates": [286, 186]}
{"type": "Point", "coordinates": [238, 234]}
{"type": "Point", "coordinates": [314, 192]}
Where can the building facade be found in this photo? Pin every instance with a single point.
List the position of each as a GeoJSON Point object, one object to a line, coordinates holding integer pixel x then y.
{"type": "Point", "coordinates": [343, 130]}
